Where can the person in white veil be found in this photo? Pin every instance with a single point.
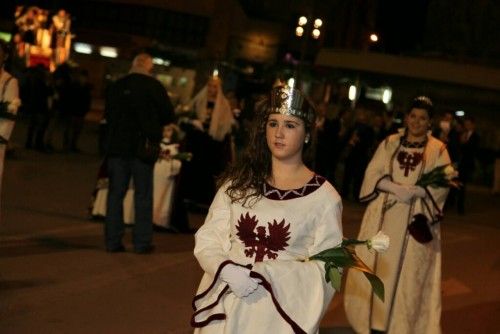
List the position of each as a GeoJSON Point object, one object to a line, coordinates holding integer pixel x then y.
{"type": "Point", "coordinates": [208, 137]}
{"type": "Point", "coordinates": [212, 110]}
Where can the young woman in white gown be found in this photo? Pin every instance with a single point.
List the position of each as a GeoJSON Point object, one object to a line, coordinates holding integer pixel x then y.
{"type": "Point", "coordinates": [270, 213]}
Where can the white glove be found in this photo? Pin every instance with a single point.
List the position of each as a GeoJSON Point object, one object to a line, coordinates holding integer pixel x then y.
{"type": "Point", "coordinates": [403, 193]}
{"type": "Point", "coordinates": [239, 280]}
{"type": "Point", "coordinates": [418, 192]}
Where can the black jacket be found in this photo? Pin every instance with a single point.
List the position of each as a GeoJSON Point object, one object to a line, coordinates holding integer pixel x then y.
{"type": "Point", "coordinates": [136, 106]}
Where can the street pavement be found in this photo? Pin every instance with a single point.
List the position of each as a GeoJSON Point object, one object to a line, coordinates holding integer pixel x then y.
{"type": "Point", "coordinates": [55, 276]}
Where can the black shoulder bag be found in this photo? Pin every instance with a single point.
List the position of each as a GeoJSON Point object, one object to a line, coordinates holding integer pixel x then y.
{"type": "Point", "coordinates": [147, 150]}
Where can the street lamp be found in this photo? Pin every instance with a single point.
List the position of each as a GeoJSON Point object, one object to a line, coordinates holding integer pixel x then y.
{"type": "Point", "coordinates": [306, 30]}
{"type": "Point", "coordinates": [302, 24]}
{"type": "Point", "coordinates": [299, 31]}
{"type": "Point", "coordinates": [317, 24]}
{"type": "Point", "coordinates": [315, 33]}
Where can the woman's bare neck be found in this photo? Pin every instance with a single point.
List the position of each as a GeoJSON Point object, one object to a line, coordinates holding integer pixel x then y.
{"type": "Point", "coordinates": [289, 176]}
{"type": "Point", "coordinates": [416, 139]}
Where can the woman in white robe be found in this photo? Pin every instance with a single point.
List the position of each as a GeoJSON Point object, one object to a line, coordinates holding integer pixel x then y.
{"type": "Point", "coordinates": [410, 270]}
{"type": "Point", "coordinates": [208, 137]}
{"type": "Point", "coordinates": [271, 213]}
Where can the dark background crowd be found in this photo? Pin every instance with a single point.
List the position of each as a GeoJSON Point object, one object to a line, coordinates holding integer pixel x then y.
{"type": "Point", "coordinates": [55, 105]}
{"type": "Point", "coordinates": [57, 96]}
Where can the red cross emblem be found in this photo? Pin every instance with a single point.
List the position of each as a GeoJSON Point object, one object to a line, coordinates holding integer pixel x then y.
{"type": "Point", "coordinates": [409, 161]}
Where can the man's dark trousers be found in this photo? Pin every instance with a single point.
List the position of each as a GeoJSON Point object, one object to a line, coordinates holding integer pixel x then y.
{"type": "Point", "coordinates": [121, 170]}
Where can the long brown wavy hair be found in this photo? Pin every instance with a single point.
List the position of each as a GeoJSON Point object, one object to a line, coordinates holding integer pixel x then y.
{"type": "Point", "coordinates": [247, 176]}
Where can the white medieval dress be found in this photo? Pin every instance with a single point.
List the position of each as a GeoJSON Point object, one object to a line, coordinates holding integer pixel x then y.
{"type": "Point", "coordinates": [270, 237]}
{"type": "Point", "coordinates": [9, 99]}
{"type": "Point", "coordinates": [411, 271]}
{"type": "Point", "coordinates": [164, 182]}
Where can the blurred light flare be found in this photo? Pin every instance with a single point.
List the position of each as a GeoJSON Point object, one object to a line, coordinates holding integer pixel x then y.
{"type": "Point", "coordinates": [387, 95]}
{"type": "Point", "coordinates": [161, 61]}
{"type": "Point", "coordinates": [352, 92]}
{"type": "Point", "coordinates": [108, 51]}
{"type": "Point", "coordinates": [83, 48]}
{"type": "Point", "coordinates": [302, 20]}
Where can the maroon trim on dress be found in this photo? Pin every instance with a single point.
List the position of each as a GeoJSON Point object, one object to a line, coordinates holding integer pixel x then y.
{"type": "Point", "coordinates": [221, 316]}
{"type": "Point", "coordinates": [273, 193]}
{"type": "Point", "coordinates": [296, 328]}
{"type": "Point", "coordinates": [374, 194]}
{"type": "Point", "coordinates": [439, 215]}
{"type": "Point", "coordinates": [213, 317]}
{"type": "Point", "coordinates": [216, 316]}
{"type": "Point", "coordinates": [216, 276]}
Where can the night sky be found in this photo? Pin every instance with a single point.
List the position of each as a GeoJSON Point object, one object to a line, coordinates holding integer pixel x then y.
{"type": "Point", "coordinates": [401, 24]}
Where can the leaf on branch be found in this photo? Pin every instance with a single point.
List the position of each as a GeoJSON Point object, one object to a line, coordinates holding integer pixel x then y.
{"type": "Point", "coordinates": [377, 285]}
{"type": "Point", "coordinates": [344, 256]}
{"type": "Point", "coordinates": [349, 242]}
{"type": "Point", "coordinates": [335, 278]}
{"type": "Point", "coordinates": [339, 257]}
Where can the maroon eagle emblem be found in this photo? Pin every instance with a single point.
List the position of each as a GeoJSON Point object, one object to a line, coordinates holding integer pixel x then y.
{"type": "Point", "coordinates": [409, 161]}
{"type": "Point", "coordinates": [256, 239]}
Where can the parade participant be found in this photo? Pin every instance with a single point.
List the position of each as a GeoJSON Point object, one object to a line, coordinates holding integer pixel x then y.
{"type": "Point", "coordinates": [410, 269]}
{"type": "Point", "coordinates": [164, 181]}
{"type": "Point", "coordinates": [270, 212]}
{"type": "Point", "coordinates": [9, 102]}
{"type": "Point", "coordinates": [208, 138]}
{"type": "Point", "coordinates": [61, 35]}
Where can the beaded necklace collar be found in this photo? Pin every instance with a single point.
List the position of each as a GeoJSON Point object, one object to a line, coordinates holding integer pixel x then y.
{"type": "Point", "coordinates": [279, 194]}
{"type": "Point", "coordinates": [410, 144]}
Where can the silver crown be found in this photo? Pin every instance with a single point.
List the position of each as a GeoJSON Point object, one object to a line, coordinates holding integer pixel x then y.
{"type": "Point", "coordinates": [287, 100]}
{"type": "Point", "coordinates": [424, 99]}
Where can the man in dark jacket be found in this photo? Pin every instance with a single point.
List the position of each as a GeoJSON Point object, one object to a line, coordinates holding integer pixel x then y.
{"type": "Point", "coordinates": [137, 108]}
